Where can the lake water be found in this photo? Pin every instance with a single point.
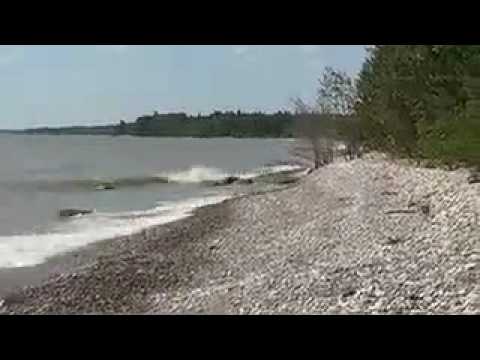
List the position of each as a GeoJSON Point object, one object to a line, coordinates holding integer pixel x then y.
{"type": "Point", "coordinates": [156, 180]}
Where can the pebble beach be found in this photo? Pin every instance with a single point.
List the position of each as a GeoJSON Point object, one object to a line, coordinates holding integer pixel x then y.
{"type": "Point", "coordinates": [369, 236]}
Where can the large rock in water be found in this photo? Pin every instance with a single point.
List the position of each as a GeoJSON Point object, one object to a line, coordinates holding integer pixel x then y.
{"type": "Point", "coordinates": [227, 181]}
{"type": "Point", "coordinates": [73, 212]}
{"type": "Point", "coordinates": [280, 178]}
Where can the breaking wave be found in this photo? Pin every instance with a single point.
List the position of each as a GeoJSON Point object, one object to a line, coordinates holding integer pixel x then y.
{"type": "Point", "coordinates": [194, 175]}
{"type": "Point", "coordinates": [32, 249]}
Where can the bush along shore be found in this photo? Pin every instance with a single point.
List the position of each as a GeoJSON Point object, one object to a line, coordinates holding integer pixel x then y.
{"type": "Point", "coordinates": [366, 236]}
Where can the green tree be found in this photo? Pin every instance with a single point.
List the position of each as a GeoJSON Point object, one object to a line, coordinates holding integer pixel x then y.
{"type": "Point", "coordinates": [418, 101]}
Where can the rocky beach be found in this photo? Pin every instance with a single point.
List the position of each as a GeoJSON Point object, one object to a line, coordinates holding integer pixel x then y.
{"type": "Point", "coordinates": [368, 236]}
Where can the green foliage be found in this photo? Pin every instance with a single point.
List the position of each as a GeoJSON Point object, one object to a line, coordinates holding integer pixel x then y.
{"type": "Point", "coordinates": [422, 101]}
{"type": "Point", "coordinates": [218, 124]}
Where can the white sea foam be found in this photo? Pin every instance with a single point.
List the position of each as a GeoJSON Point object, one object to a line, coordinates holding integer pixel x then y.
{"type": "Point", "coordinates": [270, 170]}
{"type": "Point", "coordinates": [30, 250]}
{"type": "Point", "coordinates": [199, 174]}
{"type": "Point", "coordinates": [196, 174]}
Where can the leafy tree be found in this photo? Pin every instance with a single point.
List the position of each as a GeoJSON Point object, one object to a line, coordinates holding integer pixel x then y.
{"type": "Point", "coordinates": [419, 101]}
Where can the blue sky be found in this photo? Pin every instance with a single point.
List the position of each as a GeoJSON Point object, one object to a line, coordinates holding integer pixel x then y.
{"type": "Point", "coordinates": [85, 85]}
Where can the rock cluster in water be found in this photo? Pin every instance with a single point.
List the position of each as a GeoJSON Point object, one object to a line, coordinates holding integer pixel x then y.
{"type": "Point", "coordinates": [74, 212]}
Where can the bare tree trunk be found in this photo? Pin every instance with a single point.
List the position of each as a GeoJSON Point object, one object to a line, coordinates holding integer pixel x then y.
{"type": "Point", "coordinates": [318, 126]}
{"type": "Point", "coordinates": [316, 153]}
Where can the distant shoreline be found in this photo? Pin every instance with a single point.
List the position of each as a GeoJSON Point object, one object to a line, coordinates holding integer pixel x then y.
{"type": "Point", "coordinates": [23, 132]}
{"type": "Point", "coordinates": [216, 125]}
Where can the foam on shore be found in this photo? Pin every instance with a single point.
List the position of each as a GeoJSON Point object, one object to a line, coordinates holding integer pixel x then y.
{"type": "Point", "coordinates": [33, 249]}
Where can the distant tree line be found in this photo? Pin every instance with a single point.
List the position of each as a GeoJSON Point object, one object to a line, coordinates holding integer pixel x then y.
{"type": "Point", "coordinates": [218, 124]}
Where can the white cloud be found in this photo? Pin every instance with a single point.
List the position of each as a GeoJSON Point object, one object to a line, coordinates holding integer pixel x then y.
{"type": "Point", "coordinates": [241, 49]}
{"type": "Point", "coordinates": [309, 49]}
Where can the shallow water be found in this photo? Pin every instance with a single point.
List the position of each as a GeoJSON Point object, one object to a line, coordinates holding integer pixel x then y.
{"type": "Point", "coordinates": [156, 180]}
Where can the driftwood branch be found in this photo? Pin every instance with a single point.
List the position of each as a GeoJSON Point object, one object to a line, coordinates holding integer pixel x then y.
{"type": "Point", "coordinates": [400, 211]}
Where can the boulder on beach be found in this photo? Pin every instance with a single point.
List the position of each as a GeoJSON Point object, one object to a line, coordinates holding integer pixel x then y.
{"type": "Point", "coordinates": [73, 212]}
{"type": "Point", "coordinates": [287, 180]}
{"type": "Point", "coordinates": [474, 178]}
